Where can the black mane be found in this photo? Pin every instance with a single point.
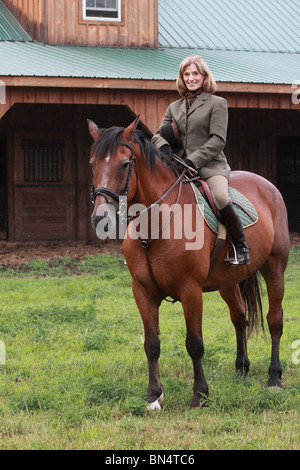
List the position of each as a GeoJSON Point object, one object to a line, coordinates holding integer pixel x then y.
{"type": "Point", "coordinates": [110, 140]}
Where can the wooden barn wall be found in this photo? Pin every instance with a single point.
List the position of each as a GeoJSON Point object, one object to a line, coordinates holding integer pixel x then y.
{"type": "Point", "coordinates": [150, 104]}
{"type": "Point", "coordinates": [251, 141]}
{"type": "Point", "coordinates": [62, 210]}
{"type": "Point", "coordinates": [60, 22]}
{"type": "Point", "coordinates": [251, 145]}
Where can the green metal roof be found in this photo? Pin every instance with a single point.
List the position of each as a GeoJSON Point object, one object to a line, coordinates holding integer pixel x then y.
{"type": "Point", "coordinates": [10, 28]}
{"type": "Point", "coordinates": [35, 59]}
{"type": "Point", "coordinates": [256, 25]}
{"type": "Point", "coordinates": [241, 41]}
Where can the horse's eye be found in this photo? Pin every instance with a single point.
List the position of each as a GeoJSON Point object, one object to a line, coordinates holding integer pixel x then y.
{"type": "Point", "coordinates": [124, 165]}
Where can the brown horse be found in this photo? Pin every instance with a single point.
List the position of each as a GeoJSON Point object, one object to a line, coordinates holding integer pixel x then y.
{"type": "Point", "coordinates": [125, 163]}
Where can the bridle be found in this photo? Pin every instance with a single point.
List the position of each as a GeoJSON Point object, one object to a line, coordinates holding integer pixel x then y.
{"type": "Point", "coordinates": [102, 191]}
{"type": "Point", "coordinates": [108, 193]}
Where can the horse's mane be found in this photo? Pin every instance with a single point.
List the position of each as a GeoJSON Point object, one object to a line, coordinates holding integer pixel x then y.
{"type": "Point", "coordinates": [110, 140]}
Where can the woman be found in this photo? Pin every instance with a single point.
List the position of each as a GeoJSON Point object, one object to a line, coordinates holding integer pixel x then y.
{"type": "Point", "coordinates": [201, 119]}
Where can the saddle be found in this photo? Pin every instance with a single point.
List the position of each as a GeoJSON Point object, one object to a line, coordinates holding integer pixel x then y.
{"type": "Point", "coordinates": [207, 206]}
{"type": "Point", "coordinates": [206, 203]}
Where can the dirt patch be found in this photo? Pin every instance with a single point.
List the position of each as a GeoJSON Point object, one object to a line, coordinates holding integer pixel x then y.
{"type": "Point", "coordinates": [20, 253]}
{"type": "Point", "coordinates": [295, 239]}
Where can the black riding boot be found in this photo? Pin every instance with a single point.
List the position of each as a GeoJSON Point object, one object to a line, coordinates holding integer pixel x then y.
{"type": "Point", "coordinates": [236, 232]}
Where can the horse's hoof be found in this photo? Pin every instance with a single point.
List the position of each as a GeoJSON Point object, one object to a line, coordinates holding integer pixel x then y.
{"type": "Point", "coordinates": [161, 398]}
{"type": "Point", "coordinates": [156, 404]}
{"type": "Point", "coordinates": [274, 383]}
{"type": "Point", "coordinates": [199, 400]}
{"type": "Point", "coordinates": [274, 388]}
{"type": "Point", "coordinates": [198, 405]}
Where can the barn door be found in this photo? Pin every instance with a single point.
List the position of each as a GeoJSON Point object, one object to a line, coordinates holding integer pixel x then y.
{"type": "Point", "coordinates": [44, 196]}
{"type": "Point", "coordinates": [3, 190]}
{"type": "Point", "coordinates": [288, 176]}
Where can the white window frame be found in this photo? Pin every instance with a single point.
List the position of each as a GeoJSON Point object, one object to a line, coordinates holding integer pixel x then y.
{"type": "Point", "coordinates": [97, 18]}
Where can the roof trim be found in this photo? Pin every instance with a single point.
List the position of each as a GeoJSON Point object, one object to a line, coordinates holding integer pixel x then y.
{"type": "Point", "coordinates": [131, 84]}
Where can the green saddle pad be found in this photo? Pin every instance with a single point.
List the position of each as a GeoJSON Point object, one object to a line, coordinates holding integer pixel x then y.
{"type": "Point", "coordinates": [244, 208]}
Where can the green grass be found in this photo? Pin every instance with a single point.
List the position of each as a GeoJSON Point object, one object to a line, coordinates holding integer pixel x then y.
{"type": "Point", "coordinates": [76, 374]}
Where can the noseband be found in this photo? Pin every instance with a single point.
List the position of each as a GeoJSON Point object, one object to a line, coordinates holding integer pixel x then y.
{"type": "Point", "coordinates": [108, 193]}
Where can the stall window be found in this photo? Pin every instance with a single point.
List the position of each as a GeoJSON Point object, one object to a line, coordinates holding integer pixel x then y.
{"type": "Point", "coordinates": [43, 160]}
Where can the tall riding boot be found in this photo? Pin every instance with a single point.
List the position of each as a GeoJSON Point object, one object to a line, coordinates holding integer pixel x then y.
{"type": "Point", "coordinates": [236, 232]}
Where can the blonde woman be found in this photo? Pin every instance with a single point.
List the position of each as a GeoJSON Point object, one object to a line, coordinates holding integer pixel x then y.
{"type": "Point", "coordinates": [201, 119]}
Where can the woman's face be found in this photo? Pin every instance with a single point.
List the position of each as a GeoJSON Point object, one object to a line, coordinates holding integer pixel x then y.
{"type": "Point", "coordinates": [192, 78]}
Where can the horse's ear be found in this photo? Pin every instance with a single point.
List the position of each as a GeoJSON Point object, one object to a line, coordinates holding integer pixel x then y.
{"type": "Point", "coordinates": [128, 133]}
{"type": "Point", "coordinates": [94, 129]}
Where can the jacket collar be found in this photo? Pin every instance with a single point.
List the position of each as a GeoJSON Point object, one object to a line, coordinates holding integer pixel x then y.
{"type": "Point", "coordinates": [199, 101]}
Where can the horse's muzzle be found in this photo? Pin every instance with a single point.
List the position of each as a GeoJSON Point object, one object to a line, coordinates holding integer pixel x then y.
{"type": "Point", "coordinates": [104, 221]}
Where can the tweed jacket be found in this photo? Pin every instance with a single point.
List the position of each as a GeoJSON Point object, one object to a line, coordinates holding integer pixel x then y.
{"type": "Point", "coordinates": [202, 132]}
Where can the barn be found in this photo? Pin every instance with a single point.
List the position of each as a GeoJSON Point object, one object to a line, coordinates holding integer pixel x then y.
{"type": "Point", "coordinates": [63, 61]}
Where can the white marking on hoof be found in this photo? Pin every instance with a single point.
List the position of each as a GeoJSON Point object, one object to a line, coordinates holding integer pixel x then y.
{"type": "Point", "coordinates": [161, 398]}
{"type": "Point", "coordinates": [156, 404]}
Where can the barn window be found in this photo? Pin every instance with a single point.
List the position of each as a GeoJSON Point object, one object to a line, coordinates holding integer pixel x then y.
{"type": "Point", "coordinates": [105, 10]}
{"type": "Point", "coordinates": [288, 161]}
{"type": "Point", "coordinates": [43, 160]}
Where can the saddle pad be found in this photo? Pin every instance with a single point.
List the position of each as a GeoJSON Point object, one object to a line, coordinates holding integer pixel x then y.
{"type": "Point", "coordinates": [243, 207]}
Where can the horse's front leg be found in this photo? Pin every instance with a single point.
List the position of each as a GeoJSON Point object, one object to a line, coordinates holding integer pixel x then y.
{"type": "Point", "coordinates": [148, 309]}
{"type": "Point", "coordinates": [193, 305]}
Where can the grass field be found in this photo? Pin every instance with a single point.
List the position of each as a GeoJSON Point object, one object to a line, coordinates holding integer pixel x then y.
{"type": "Point", "coordinates": [75, 375]}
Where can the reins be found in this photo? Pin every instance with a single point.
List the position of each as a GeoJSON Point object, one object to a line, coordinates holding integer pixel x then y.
{"type": "Point", "coordinates": [178, 181]}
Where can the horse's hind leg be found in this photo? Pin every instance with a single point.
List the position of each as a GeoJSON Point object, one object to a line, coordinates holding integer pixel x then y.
{"type": "Point", "coordinates": [273, 271]}
{"type": "Point", "coordinates": [148, 309]}
{"type": "Point", "coordinates": [236, 304]}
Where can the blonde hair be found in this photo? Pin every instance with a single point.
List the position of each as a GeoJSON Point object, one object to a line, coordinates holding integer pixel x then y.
{"type": "Point", "coordinates": [209, 83]}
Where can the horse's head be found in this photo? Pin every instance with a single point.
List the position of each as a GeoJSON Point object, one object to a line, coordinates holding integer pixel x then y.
{"type": "Point", "coordinates": [112, 162]}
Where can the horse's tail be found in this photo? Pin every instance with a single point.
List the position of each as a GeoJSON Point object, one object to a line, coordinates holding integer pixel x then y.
{"type": "Point", "coordinates": [251, 293]}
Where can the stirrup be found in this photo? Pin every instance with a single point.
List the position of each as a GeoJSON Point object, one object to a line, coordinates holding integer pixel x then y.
{"type": "Point", "coordinates": [233, 260]}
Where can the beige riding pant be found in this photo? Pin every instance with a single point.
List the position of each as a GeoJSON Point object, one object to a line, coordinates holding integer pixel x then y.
{"type": "Point", "coordinates": [219, 186]}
